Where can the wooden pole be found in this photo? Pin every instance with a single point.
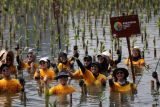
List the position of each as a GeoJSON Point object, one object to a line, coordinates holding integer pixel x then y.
{"type": "Point", "coordinates": [129, 51]}
{"type": "Point", "coordinates": [59, 36]}
{"type": "Point", "coordinates": [152, 85]}
{"type": "Point", "coordinates": [56, 7]}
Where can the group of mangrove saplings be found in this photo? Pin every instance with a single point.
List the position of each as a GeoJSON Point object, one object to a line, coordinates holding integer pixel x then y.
{"type": "Point", "coordinates": [89, 73]}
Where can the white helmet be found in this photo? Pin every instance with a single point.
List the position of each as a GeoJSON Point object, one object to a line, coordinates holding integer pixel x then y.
{"type": "Point", "coordinates": [106, 53]}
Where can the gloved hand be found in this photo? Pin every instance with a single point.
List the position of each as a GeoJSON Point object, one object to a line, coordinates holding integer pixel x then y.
{"type": "Point", "coordinates": [81, 83]}
{"type": "Point", "coordinates": [75, 47]}
{"type": "Point", "coordinates": [22, 82]}
{"type": "Point", "coordinates": [103, 82]}
{"type": "Point", "coordinates": [17, 47]}
{"type": "Point", "coordinates": [154, 75]}
{"type": "Point", "coordinates": [119, 51]}
{"type": "Point", "coordinates": [76, 55]}
{"type": "Point", "coordinates": [38, 77]}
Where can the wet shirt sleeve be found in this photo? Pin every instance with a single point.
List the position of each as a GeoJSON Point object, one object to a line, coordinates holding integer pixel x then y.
{"type": "Point", "coordinates": [78, 74]}
{"type": "Point", "coordinates": [88, 77]}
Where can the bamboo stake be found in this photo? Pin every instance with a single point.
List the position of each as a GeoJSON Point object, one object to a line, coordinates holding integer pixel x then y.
{"type": "Point", "coordinates": [91, 34]}
{"type": "Point", "coordinates": [6, 45]}
{"type": "Point", "coordinates": [70, 100]}
{"type": "Point", "coordinates": [86, 50]}
{"type": "Point", "coordinates": [10, 32]}
{"type": "Point", "coordinates": [154, 42]}
{"type": "Point", "coordinates": [132, 69]}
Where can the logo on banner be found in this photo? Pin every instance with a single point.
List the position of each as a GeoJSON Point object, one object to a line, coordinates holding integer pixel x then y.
{"type": "Point", "coordinates": [118, 26]}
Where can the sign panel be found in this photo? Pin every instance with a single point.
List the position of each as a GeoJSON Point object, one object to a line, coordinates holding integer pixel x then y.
{"type": "Point", "coordinates": [125, 26]}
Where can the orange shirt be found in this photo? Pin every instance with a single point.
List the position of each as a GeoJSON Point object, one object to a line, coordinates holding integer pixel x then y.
{"type": "Point", "coordinates": [13, 69]}
{"type": "Point", "coordinates": [126, 88]}
{"type": "Point", "coordinates": [91, 80]}
{"type": "Point", "coordinates": [10, 86]}
{"type": "Point", "coordinates": [64, 67]}
{"type": "Point", "coordinates": [78, 74]}
{"type": "Point", "coordinates": [60, 89]}
{"type": "Point", "coordinates": [140, 62]}
{"type": "Point", "coordinates": [28, 67]}
{"type": "Point", "coordinates": [43, 73]}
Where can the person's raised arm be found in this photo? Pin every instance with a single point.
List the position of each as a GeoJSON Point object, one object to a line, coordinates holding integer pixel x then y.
{"type": "Point", "coordinates": [18, 57]}
{"type": "Point", "coordinates": [76, 55]}
{"type": "Point", "coordinates": [80, 65]}
{"type": "Point", "coordinates": [111, 83]}
{"type": "Point", "coordinates": [119, 53]}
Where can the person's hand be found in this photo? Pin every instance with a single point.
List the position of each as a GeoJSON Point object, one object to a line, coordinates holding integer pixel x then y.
{"type": "Point", "coordinates": [38, 77]}
{"type": "Point", "coordinates": [103, 82]}
{"type": "Point", "coordinates": [110, 77]}
{"type": "Point", "coordinates": [45, 79]}
{"type": "Point", "coordinates": [32, 68]}
{"type": "Point", "coordinates": [154, 75]}
{"type": "Point", "coordinates": [75, 47]}
{"type": "Point", "coordinates": [76, 54]}
{"type": "Point", "coordinates": [119, 51]}
{"type": "Point", "coordinates": [81, 83]}
{"type": "Point", "coordinates": [32, 64]}
{"type": "Point", "coordinates": [17, 47]}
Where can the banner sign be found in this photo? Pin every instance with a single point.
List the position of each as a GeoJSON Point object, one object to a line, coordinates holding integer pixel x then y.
{"type": "Point", "coordinates": [125, 26]}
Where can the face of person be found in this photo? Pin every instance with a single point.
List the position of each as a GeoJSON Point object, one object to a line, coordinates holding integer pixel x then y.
{"type": "Point", "coordinates": [100, 59]}
{"type": "Point", "coordinates": [135, 53]}
{"type": "Point", "coordinates": [8, 60]}
{"type": "Point", "coordinates": [63, 80]}
{"type": "Point", "coordinates": [86, 62]}
{"type": "Point", "coordinates": [63, 59]}
{"type": "Point", "coordinates": [30, 57]}
{"type": "Point", "coordinates": [120, 75]}
{"type": "Point", "coordinates": [6, 72]}
{"type": "Point", "coordinates": [94, 69]}
{"type": "Point", "coordinates": [43, 64]}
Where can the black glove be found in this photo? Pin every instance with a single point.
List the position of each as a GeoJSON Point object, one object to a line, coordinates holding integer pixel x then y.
{"type": "Point", "coordinates": [81, 83]}
{"type": "Point", "coordinates": [19, 67]}
{"type": "Point", "coordinates": [75, 48]}
{"type": "Point", "coordinates": [22, 81]}
{"type": "Point", "coordinates": [76, 54]}
{"type": "Point", "coordinates": [119, 51]}
{"type": "Point", "coordinates": [154, 75]}
{"type": "Point", "coordinates": [17, 47]}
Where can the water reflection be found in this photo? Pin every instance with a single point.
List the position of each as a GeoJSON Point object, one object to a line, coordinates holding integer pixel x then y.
{"type": "Point", "coordinates": [121, 99]}
{"type": "Point", "coordinates": [61, 100]}
{"type": "Point", "coordinates": [138, 72]}
{"type": "Point", "coordinates": [6, 100]}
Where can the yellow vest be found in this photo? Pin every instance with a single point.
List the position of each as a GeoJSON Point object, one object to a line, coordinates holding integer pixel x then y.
{"type": "Point", "coordinates": [49, 73]}
{"type": "Point", "coordinates": [28, 67]}
{"type": "Point", "coordinates": [126, 88]}
{"type": "Point", "coordinates": [140, 62]}
{"type": "Point", "coordinates": [64, 67]}
{"type": "Point", "coordinates": [10, 86]}
{"type": "Point", "coordinates": [13, 69]}
{"type": "Point", "coordinates": [78, 74]}
{"type": "Point", "coordinates": [91, 80]}
{"type": "Point", "coordinates": [60, 89]}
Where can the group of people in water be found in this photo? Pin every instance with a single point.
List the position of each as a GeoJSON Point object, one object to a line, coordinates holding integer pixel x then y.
{"type": "Point", "coordinates": [90, 73]}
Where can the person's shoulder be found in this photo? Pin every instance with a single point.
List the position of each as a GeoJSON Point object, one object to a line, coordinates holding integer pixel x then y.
{"type": "Point", "coordinates": [36, 64]}
{"type": "Point", "coordinates": [15, 80]}
{"type": "Point", "coordinates": [2, 80]}
{"type": "Point", "coordinates": [71, 88]}
{"type": "Point", "coordinates": [103, 76]}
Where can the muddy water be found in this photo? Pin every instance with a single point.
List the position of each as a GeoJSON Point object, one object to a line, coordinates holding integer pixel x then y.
{"type": "Point", "coordinates": [143, 98]}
